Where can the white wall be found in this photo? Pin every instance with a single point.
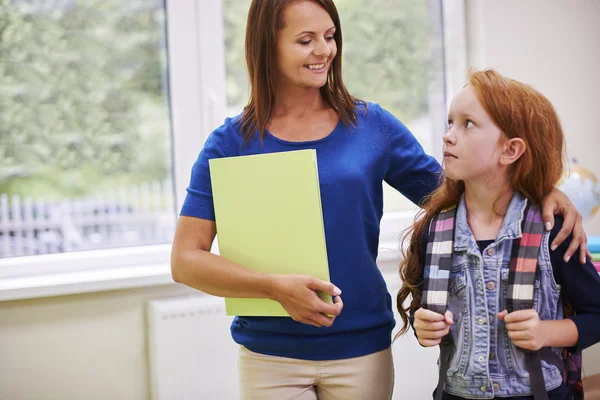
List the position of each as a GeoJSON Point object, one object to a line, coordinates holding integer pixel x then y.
{"type": "Point", "coordinates": [81, 347]}
{"type": "Point", "coordinates": [93, 346]}
{"type": "Point", "coordinates": [553, 45]}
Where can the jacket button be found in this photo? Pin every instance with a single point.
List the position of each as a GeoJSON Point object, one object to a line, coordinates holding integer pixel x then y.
{"type": "Point", "coordinates": [481, 358]}
{"type": "Point", "coordinates": [496, 387]}
{"type": "Point", "coordinates": [481, 321]}
{"type": "Point", "coordinates": [491, 251]}
{"type": "Point", "coordinates": [483, 389]}
{"type": "Point", "coordinates": [491, 285]}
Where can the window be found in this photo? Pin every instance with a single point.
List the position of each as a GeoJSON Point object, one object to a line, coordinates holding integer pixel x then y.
{"type": "Point", "coordinates": [111, 102]}
{"type": "Point", "coordinates": [85, 137]}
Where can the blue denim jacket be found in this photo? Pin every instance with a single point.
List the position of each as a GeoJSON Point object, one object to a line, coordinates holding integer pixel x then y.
{"type": "Point", "coordinates": [484, 362]}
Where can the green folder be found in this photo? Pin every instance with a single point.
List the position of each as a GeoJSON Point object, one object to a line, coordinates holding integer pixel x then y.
{"type": "Point", "coordinates": [269, 219]}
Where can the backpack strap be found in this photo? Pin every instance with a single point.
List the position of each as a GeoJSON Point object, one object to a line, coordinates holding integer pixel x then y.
{"type": "Point", "coordinates": [572, 362]}
{"type": "Point", "coordinates": [533, 364]}
{"type": "Point", "coordinates": [445, 353]}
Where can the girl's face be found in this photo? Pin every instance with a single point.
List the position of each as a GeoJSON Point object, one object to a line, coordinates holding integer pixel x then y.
{"type": "Point", "coordinates": [305, 46]}
{"type": "Point", "coordinates": [472, 145]}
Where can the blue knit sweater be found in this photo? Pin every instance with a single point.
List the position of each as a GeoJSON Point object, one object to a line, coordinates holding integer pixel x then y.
{"type": "Point", "coordinates": [353, 162]}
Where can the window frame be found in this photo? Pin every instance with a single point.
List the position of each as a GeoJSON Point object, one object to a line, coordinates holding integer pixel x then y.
{"type": "Point", "coordinates": [454, 34]}
{"type": "Point", "coordinates": [197, 100]}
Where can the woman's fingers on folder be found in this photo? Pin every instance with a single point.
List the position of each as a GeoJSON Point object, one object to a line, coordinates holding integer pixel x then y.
{"type": "Point", "coordinates": [323, 320]}
{"type": "Point", "coordinates": [316, 318]}
{"type": "Point", "coordinates": [332, 309]}
{"type": "Point", "coordinates": [298, 296]}
{"type": "Point", "coordinates": [324, 286]}
{"type": "Point", "coordinates": [337, 300]}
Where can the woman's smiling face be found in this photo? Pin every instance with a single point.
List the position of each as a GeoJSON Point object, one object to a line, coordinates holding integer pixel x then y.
{"type": "Point", "coordinates": [305, 45]}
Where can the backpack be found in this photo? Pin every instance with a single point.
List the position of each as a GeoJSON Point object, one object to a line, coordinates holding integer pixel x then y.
{"type": "Point", "coordinates": [522, 270]}
{"type": "Point", "coordinates": [573, 363]}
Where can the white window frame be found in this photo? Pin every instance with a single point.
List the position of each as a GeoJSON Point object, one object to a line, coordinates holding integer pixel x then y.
{"type": "Point", "coordinates": [198, 105]}
{"type": "Point", "coordinates": [393, 224]}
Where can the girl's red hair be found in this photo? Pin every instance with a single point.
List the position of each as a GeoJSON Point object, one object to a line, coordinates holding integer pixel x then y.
{"type": "Point", "coordinates": [519, 111]}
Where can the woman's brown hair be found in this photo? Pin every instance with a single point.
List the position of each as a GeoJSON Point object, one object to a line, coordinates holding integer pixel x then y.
{"type": "Point", "coordinates": [265, 19]}
{"type": "Point", "coordinates": [519, 111]}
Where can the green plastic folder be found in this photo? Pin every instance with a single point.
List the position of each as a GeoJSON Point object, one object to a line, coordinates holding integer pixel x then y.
{"type": "Point", "coordinates": [269, 219]}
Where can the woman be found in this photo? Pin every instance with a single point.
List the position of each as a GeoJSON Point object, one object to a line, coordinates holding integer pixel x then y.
{"type": "Point", "coordinates": [298, 101]}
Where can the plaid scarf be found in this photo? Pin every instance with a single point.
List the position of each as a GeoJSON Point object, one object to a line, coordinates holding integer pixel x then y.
{"type": "Point", "coordinates": [438, 261]}
{"type": "Point", "coordinates": [521, 279]}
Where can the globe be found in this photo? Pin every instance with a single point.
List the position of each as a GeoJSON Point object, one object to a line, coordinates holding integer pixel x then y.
{"type": "Point", "coordinates": [583, 189]}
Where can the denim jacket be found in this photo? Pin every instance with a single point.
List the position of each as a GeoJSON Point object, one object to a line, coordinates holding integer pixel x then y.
{"type": "Point", "coordinates": [485, 363]}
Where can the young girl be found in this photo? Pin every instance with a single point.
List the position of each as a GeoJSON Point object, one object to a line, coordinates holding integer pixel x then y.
{"type": "Point", "coordinates": [485, 285]}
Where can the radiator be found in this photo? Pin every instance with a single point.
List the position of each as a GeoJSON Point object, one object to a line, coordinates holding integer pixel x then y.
{"type": "Point", "coordinates": [192, 355]}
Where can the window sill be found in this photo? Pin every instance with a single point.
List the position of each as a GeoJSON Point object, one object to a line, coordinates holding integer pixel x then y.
{"type": "Point", "coordinates": [67, 283]}
{"type": "Point", "coordinates": [104, 279]}
{"type": "Point", "coordinates": [118, 269]}
{"type": "Point", "coordinates": [389, 257]}
{"type": "Point", "coordinates": [84, 272]}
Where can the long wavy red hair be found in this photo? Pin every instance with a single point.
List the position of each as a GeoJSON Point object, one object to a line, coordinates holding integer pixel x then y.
{"type": "Point", "coordinates": [519, 111]}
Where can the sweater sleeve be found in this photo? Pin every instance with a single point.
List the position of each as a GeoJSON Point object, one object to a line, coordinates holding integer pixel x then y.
{"type": "Point", "coordinates": [581, 285]}
{"type": "Point", "coordinates": [409, 169]}
{"type": "Point", "coordinates": [199, 200]}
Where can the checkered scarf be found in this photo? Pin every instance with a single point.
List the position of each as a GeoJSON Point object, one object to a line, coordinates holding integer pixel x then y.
{"type": "Point", "coordinates": [523, 262]}
{"type": "Point", "coordinates": [438, 261]}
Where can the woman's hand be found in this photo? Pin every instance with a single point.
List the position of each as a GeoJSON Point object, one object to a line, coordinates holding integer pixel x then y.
{"type": "Point", "coordinates": [558, 203]}
{"type": "Point", "coordinates": [431, 327]}
{"type": "Point", "coordinates": [524, 328]}
{"type": "Point", "coordinates": [298, 296]}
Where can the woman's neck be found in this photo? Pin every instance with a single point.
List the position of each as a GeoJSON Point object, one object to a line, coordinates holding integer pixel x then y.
{"type": "Point", "coordinates": [297, 102]}
{"type": "Point", "coordinates": [487, 204]}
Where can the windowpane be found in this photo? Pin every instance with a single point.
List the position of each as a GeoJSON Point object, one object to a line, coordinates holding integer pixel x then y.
{"type": "Point", "coordinates": [235, 13]}
{"type": "Point", "coordinates": [393, 55]}
{"type": "Point", "coordinates": [85, 135]}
